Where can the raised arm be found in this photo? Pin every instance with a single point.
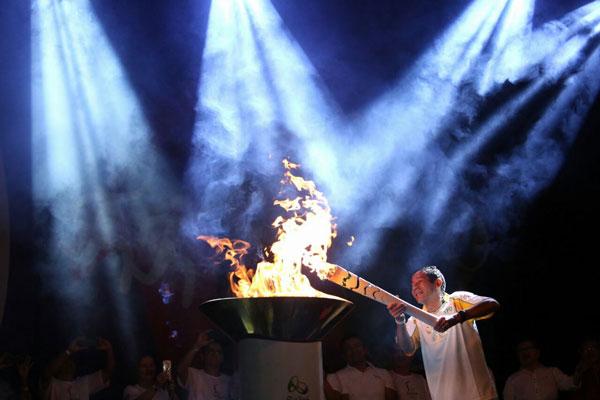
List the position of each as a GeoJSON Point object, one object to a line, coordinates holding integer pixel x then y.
{"type": "Point", "coordinates": [182, 369]}
{"type": "Point", "coordinates": [23, 368]}
{"type": "Point", "coordinates": [54, 366]}
{"type": "Point", "coordinates": [106, 346]}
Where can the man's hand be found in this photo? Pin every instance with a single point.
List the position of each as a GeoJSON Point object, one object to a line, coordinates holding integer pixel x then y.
{"type": "Point", "coordinates": [76, 345]}
{"type": "Point", "coordinates": [203, 339]}
{"type": "Point", "coordinates": [444, 323]}
{"type": "Point", "coordinates": [103, 345]}
{"type": "Point", "coordinates": [403, 338]}
{"type": "Point", "coordinates": [23, 368]}
{"type": "Point", "coordinates": [396, 309]}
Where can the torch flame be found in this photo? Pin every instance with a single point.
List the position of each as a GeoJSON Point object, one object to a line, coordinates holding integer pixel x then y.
{"type": "Point", "coordinates": [303, 238]}
{"type": "Point", "coordinates": [304, 235]}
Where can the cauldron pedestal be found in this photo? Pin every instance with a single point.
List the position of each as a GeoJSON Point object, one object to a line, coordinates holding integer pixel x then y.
{"type": "Point", "coordinates": [279, 342]}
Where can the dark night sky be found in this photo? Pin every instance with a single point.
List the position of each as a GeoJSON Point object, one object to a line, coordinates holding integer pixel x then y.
{"type": "Point", "coordinates": [544, 271]}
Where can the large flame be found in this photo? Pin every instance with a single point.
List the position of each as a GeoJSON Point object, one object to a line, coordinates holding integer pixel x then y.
{"type": "Point", "coordinates": [304, 234]}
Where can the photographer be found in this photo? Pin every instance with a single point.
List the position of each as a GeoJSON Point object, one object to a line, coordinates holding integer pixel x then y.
{"type": "Point", "coordinates": [150, 385]}
{"type": "Point", "coordinates": [61, 381]}
{"type": "Point", "coordinates": [208, 383]}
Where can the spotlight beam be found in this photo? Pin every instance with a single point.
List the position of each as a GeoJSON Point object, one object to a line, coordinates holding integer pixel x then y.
{"type": "Point", "coordinates": [107, 190]}
{"type": "Point", "coordinates": [395, 160]}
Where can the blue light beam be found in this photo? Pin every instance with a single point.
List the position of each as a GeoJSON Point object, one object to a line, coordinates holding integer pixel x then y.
{"type": "Point", "coordinates": [96, 174]}
{"type": "Point", "coordinates": [260, 100]}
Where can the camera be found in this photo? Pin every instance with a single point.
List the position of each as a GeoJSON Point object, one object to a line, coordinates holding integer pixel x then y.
{"type": "Point", "coordinates": [166, 366]}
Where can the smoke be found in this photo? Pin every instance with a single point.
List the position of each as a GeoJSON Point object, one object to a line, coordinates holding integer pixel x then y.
{"type": "Point", "coordinates": [262, 105]}
{"type": "Point", "coordinates": [451, 153]}
{"type": "Point", "coordinates": [107, 204]}
{"type": "Point", "coordinates": [446, 158]}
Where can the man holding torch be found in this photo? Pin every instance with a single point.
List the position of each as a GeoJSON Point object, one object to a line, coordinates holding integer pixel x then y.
{"type": "Point", "coordinates": [452, 352]}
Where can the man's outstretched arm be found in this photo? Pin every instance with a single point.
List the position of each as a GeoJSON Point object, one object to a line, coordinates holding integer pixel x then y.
{"type": "Point", "coordinates": [486, 307]}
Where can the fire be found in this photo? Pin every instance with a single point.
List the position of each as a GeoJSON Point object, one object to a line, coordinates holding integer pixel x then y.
{"type": "Point", "coordinates": [304, 234]}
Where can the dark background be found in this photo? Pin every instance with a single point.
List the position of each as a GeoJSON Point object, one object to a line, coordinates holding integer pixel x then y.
{"type": "Point", "coordinates": [544, 274]}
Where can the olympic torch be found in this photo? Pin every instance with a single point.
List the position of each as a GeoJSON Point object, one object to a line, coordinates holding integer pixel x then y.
{"type": "Point", "coordinates": [351, 281]}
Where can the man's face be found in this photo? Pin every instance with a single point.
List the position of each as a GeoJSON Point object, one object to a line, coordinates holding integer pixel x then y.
{"type": "Point", "coordinates": [528, 353]}
{"type": "Point", "coordinates": [422, 288]}
{"type": "Point", "coordinates": [66, 371]}
{"type": "Point", "coordinates": [147, 369]}
{"type": "Point", "coordinates": [590, 351]}
{"type": "Point", "coordinates": [354, 351]}
{"type": "Point", "coordinates": [213, 355]}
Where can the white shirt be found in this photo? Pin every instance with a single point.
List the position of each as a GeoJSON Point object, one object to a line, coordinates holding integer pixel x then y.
{"type": "Point", "coordinates": [410, 387]}
{"type": "Point", "coordinates": [454, 361]}
{"type": "Point", "coordinates": [540, 384]}
{"type": "Point", "coordinates": [79, 389]}
{"type": "Point", "coordinates": [132, 392]}
{"type": "Point", "coordinates": [202, 386]}
{"type": "Point", "coordinates": [369, 384]}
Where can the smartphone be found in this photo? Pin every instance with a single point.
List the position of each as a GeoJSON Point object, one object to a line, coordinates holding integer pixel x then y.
{"type": "Point", "coordinates": [166, 366]}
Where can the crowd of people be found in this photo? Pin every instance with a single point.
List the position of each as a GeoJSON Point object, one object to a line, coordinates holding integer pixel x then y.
{"type": "Point", "coordinates": [453, 361]}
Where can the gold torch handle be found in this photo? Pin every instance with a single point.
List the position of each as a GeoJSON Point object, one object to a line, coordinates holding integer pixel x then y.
{"type": "Point", "coordinates": [351, 281]}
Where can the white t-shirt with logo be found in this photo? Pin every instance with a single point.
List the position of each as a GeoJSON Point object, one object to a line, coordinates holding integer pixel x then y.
{"type": "Point", "coordinates": [79, 389]}
{"type": "Point", "coordinates": [202, 386]}
{"type": "Point", "coordinates": [411, 386]}
{"type": "Point", "coordinates": [454, 361]}
{"type": "Point", "coordinates": [369, 384]}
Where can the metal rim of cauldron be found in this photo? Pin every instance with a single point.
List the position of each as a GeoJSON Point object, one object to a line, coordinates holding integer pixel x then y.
{"type": "Point", "coordinates": [281, 318]}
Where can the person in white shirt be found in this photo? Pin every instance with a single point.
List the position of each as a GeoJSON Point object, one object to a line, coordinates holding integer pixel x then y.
{"type": "Point", "coordinates": [409, 386]}
{"type": "Point", "coordinates": [359, 380]}
{"type": "Point", "coordinates": [61, 383]}
{"type": "Point", "coordinates": [535, 381]}
{"type": "Point", "coordinates": [208, 383]}
{"type": "Point", "coordinates": [587, 373]}
{"type": "Point", "coordinates": [452, 352]}
{"type": "Point", "coordinates": [150, 386]}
